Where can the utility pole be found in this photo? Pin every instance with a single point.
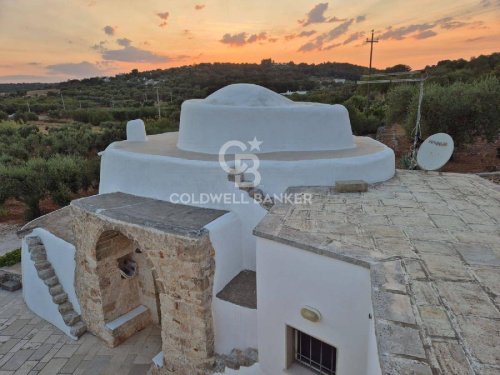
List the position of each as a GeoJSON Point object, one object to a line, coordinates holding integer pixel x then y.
{"type": "Point", "coordinates": [28, 104]}
{"type": "Point", "coordinates": [371, 41]}
{"type": "Point", "coordinates": [62, 99]}
{"type": "Point", "coordinates": [158, 102]}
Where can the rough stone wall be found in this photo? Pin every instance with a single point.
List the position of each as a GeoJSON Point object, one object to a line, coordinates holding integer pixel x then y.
{"type": "Point", "coordinates": [119, 295]}
{"type": "Point", "coordinates": [184, 270]}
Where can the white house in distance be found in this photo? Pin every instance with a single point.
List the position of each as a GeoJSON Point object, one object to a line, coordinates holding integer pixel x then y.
{"type": "Point", "coordinates": [265, 234]}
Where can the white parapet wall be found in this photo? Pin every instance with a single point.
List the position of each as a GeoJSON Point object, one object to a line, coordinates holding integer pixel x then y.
{"type": "Point", "coordinates": [61, 255]}
{"type": "Point", "coordinates": [289, 279]}
{"type": "Point", "coordinates": [234, 326]}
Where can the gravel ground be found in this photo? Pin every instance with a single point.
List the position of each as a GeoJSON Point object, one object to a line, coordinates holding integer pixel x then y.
{"type": "Point", "coordinates": [8, 238]}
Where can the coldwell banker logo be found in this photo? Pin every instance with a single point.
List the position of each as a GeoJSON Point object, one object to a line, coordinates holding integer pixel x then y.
{"type": "Point", "coordinates": [244, 165]}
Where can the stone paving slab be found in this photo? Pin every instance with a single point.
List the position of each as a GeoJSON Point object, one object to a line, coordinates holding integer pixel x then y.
{"type": "Point", "coordinates": [161, 215]}
{"type": "Point", "coordinates": [432, 243]}
{"type": "Point", "coordinates": [31, 346]}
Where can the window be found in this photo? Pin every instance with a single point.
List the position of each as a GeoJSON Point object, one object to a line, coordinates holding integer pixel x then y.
{"type": "Point", "coordinates": [314, 354]}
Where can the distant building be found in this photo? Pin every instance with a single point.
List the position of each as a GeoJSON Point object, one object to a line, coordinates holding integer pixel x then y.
{"type": "Point", "coordinates": [35, 93]}
{"type": "Point", "coordinates": [289, 93]}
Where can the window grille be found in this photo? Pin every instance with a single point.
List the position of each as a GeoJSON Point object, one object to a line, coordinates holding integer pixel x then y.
{"type": "Point", "coordinates": [315, 354]}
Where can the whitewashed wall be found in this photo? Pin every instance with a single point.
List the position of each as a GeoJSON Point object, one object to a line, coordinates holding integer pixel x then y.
{"type": "Point", "coordinates": [289, 278]}
{"type": "Point", "coordinates": [157, 176]}
{"type": "Point", "coordinates": [234, 326]}
{"type": "Point", "coordinates": [36, 294]}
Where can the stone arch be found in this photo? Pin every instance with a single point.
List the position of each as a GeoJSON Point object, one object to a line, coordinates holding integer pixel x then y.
{"type": "Point", "coordinates": [121, 293]}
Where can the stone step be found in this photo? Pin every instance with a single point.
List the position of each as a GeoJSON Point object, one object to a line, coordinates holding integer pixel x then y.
{"type": "Point", "coordinates": [256, 193]}
{"type": "Point", "coordinates": [46, 274]}
{"type": "Point", "coordinates": [56, 289]}
{"type": "Point", "coordinates": [51, 281]}
{"type": "Point", "coordinates": [38, 256]}
{"type": "Point", "coordinates": [60, 298]}
{"type": "Point", "coordinates": [232, 176]}
{"type": "Point", "coordinates": [71, 318]}
{"type": "Point", "coordinates": [246, 188]}
{"type": "Point", "coordinates": [65, 307]}
{"type": "Point", "coordinates": [31, 241]}
{"type": "Point", "coordinates": [10, 285]}
{"type": "Point", "coordinates": [37, 248]}
{"type": "Point", "coordinates": [42, 265]}
{"type": "Point", "coordinates": [78, 329]}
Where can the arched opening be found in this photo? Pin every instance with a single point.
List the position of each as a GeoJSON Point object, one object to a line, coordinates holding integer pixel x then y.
{"type": "Point", "coordinates": [126, 277]}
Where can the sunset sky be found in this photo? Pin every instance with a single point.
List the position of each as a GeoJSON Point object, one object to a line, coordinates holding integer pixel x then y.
{"type": "Point", "coordinates": [54, 40]}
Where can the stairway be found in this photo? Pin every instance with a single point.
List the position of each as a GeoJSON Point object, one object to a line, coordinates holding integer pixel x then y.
{"type": "Point", "coordinates": [252, 191]}
{"type": "Point", "coordinates": [46, 273]}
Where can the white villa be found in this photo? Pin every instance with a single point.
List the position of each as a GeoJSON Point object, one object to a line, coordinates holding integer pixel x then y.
{"type": "Point", "coordinates": [265, 234]}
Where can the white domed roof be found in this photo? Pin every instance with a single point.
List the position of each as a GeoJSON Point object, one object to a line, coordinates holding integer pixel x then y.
{"type": "Point", "coordinates": [244, 112]}
{"type": "Point", "coordinates": [246, 94]}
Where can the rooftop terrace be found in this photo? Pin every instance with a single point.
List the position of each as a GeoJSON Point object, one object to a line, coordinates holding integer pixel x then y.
{"type": "Point", "coordinates": [432, 244]}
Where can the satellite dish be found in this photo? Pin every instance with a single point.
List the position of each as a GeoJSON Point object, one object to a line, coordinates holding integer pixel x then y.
{"type": "Point", "coordinates": [435, 151]}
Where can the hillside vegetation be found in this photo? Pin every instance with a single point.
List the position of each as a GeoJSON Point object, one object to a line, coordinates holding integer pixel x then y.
{"type": "Point", "coordinates": [49, 143]}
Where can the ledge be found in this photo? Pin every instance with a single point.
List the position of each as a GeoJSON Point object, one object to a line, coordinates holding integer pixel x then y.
{"type": "Point", "coordinates": [164, 216]}
{"type": "Point", "coordinates": [122, 320]}
{"type": "Point", "coordinates": [241, 290]}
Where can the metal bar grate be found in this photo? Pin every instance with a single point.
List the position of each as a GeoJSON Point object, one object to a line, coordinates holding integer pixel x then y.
{"type": "Point", "coordinates": [315, 354]}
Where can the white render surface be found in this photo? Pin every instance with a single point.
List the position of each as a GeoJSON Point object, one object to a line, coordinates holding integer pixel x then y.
{"type": "Point", "coordinates": [36, 294]}
{"type": "Point", "coordinates": [136, 131]}
{"type": "Point", "coordinates": [225, 236]}
{"type": "Point", "coordinates": [244, 111]}
{"type": "Point", "coordinates": [158, 169]}
{"type": "Point", "coordinates": [288, 279]}
{"type": "Point", "coordinates": [235, 326]}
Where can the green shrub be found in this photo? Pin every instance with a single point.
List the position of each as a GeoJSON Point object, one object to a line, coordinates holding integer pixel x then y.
{"type": "Point", "coordinates": [155, 126]}
{"type": "Point", "coordinates": [10, 258]}
{"type": "Point", "coordinates": [59, 176]}
{"type": "Point", "coordinates": [398, 101]}
{"type": "Point", "coordinates": [366, 116]}
{"type": "Point", "coordinates": [463, 110]}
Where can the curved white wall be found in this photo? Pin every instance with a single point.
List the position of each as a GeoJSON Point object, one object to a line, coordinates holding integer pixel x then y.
{"type": "Point", "coordinates": [288, 279]}
{"type": "Point", "coordinates": [36, 294]}
{"type": "Point", "coordinates": [159, 176]}
{"type": "Point", "coordinates": [205, 127]}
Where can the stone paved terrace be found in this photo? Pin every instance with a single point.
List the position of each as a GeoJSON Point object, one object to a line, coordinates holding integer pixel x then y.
{"type": "Point", "coordinates": [432, 244]}
{"type": "Point", "coordinates": [30, 345]}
